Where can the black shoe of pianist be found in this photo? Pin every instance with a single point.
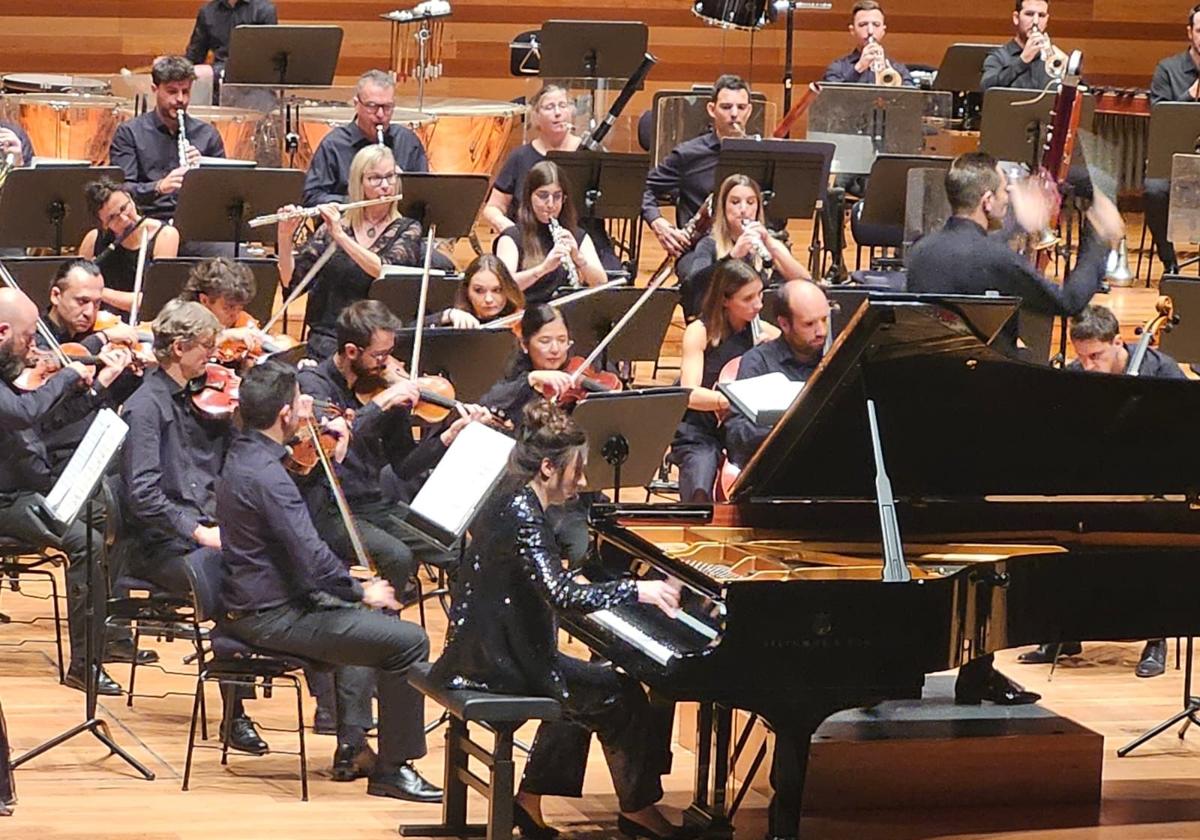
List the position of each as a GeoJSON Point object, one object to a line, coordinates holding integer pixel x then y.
{"type": "Point", "coordinates": [634, 829]}
{"type": "Point", "coordinates": [530, 828]}
{"type": "Point", "coordinates": [1044, 654]}
{"type": "Point", "coordinates": [1154, 659]}
{"type": "Point", "coordinates": [998, 689]}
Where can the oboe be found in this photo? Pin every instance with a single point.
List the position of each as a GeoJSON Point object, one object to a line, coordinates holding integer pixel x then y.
{"type": "Point", "coordinates": [568, 263]}
{"type": "Point", "coordinates": [759, 246]}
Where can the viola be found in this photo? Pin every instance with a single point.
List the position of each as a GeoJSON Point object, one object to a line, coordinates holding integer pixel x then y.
{"type": "Point", "coordinates": [238, 352]}
{"type": "Point", "coordinates": [214, 395]}
{"type": "Point", "coordinates": [302, 456]}
{"type": "Point", "coordinates": [589, 380]}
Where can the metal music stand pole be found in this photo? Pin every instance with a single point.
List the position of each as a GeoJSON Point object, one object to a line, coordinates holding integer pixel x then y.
{"type": "Point", "coordinates": [1191, 707]}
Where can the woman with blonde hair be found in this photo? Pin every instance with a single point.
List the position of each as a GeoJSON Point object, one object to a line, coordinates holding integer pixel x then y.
{"type": "Point", "coordinates": [368, 238]}
{"type": "Point", "coordinates": [738, 231]}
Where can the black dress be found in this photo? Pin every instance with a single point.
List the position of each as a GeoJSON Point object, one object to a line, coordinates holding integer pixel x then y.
{"type": "Point", "coordinates": [342, 281]}
{"type": "Point", "coordinates": [504, 638]}
{"type": "Point", "coordinates": [542, 290]}
{"type": "Point", "coordinates": [119, 266]}
{"type": "Point", "coordinates": [699, 442]}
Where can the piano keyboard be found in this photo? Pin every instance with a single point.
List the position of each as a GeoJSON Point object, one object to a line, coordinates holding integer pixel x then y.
{"type": "Point", "coordinates": [633, 635]}
{"type": "Point", "coordinates": [661, 637]}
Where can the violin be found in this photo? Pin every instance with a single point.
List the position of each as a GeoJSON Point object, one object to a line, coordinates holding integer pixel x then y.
{"type": "Point", "coordinates": [214, 395]}
{"type": "Point", "coordinates": [588, 380]}
{"type": "Point", "coordinates": [45, 363]}
{"type": "Point", "coordinates": [302, 455]}
{"type": "Point", "coordinates": [437, 397]}
{"type": "Point", "coordinates": [239, 352]}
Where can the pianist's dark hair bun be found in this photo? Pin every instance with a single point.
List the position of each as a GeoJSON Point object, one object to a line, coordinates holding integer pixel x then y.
{"type": "Point", "coordinates": [546, 433]}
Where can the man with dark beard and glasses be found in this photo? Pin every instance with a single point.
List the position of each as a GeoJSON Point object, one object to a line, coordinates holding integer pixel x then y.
{"type": "Point", "coordinates": [25, 472]}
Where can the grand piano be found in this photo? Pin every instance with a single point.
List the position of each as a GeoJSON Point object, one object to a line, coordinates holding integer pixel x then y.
{"type": "Point", "coordinates": [924, 502]}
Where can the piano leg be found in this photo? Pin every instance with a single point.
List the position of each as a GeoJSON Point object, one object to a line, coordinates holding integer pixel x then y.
{"type": "Point", "coordinates": [714, 725]}
{"type": "Point", "coordinates": [789, 767]}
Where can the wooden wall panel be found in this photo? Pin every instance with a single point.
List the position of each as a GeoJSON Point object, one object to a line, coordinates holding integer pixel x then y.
{"type": "Point", "coordinates": [1121, 40]}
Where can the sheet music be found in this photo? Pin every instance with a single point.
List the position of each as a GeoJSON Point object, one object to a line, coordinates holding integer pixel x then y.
{"type": "Point", "coordinates": [87, 465]}
{"type": "Point", "coordinates": [765, 397]}
{"type": "Point", "coordinates": [464, 477]}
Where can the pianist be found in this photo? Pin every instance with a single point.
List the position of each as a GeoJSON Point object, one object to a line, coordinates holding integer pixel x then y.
{"type": "Point", "coordinates": [802, 313]}
{"type": "Point", "coordinates": [505, 638]}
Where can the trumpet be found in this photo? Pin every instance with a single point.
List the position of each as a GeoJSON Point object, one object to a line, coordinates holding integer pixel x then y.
{"type": "Point", "coordinates": [568, 263]}
{"type": "Point", "coordinates": [760, 247]}
{"type": "Point", "coordinates": [1055, 60]}
{"type": "Point", "coordinates": [313, 212]}
{"type": "Point", "coordinates": [885, 74]}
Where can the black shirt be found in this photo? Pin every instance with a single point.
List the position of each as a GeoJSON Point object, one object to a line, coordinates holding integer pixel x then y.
{"type": "Point", "coordinates": [842, 70]}
{"type": "Point", "coordinates": [26, 464]}
{"type": "Point", "coordinates": [119, 266]}
{"type": "Point", "coordinates": [273, 555]}
{"type": "Point", "coordinates": [1156, 365]}
{"type": "Point", "coordinates": [380, 439]}
{"type": "Point", "coordinates": [542, 290]}
{"type": "Point", "coordinates": [170, 462]}
{"type": "Point", "coordinates": [685, 176]}
{"type": "Point", "coordinates": [146, 149]}
{"type": "Point", "coordinates": [511, 180]}
{"type": "Point", "coordinates": [743, 437]}
{"type": "Point", "coordinates": [327, 176]}
{"type": "Point", "coordinates": [961, 259]}
{"type": "Point", "coordinates": [703, 424]}
{"type": "Point", "coordinates": [1003, 67]}
{"type": "Point", "coordinates": [214, 27]}
{"type": "Point", "coordinates": [1173, 79]}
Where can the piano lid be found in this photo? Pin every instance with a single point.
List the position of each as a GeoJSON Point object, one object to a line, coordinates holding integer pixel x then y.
{"type": "Point", "coordinates": [959, 419]}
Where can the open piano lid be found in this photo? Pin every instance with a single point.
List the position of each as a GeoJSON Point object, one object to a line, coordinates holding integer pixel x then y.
{"type": "Point", "coordinates": [959, 419]}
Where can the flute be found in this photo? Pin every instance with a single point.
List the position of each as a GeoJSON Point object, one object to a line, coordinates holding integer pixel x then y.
{"type": "Point", "coordinates": [313, 212]}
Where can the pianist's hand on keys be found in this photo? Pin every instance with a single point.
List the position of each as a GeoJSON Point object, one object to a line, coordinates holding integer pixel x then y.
{"type": "Point", "coordinates": [663, 594]}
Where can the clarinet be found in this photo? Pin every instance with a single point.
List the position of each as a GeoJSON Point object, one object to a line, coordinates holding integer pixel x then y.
{"type": "Point", "coordinates": [183, 141]}
{"type": "Point", "coordinates": [759, 245]}
{"type": "Point", "coordinates": [568, 263]}
{"type": "Point", "coordinates": [379, 135]}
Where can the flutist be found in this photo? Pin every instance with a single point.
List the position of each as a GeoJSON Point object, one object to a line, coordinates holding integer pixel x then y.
{"type": "Point", "coordinates": [868, 62]}
{"type": "Point", "coordinates": [147, 148]}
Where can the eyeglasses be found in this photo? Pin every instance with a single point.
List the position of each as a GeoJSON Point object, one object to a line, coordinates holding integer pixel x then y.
{"type": "Point", "coordinates": [377, 355]}
{"type": "Point", "coordinates": [377, 180]}
{"type": "Point", "coordinates": [546, 342]}
{"type": "Point", "coordinates": [121, 211]}
{"type": "Point", "coordinates": [386, 107]}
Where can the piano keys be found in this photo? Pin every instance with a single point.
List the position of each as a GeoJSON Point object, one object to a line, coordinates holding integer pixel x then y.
{"type": "Point", "coordinates": [1023, 512]}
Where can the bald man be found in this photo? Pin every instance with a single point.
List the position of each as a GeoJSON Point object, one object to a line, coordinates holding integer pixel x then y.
{"type": "Point", "coordinates": [803, 318]}
{"type": "Point", "coordinates": [25, 470]}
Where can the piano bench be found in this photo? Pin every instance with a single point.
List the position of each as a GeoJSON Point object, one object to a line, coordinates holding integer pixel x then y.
{"type": "Point", "coordinates": [504, 714]}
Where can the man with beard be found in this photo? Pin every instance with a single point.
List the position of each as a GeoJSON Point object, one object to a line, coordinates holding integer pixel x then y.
{"type": "Point", "coordinates": [25, 473]}
{"type": "Point", "coordinates": [169, 470]}
{"type": "Point", "coordinates": [286, 590]}
{"type": "Point", "coordinates": [366, 335]}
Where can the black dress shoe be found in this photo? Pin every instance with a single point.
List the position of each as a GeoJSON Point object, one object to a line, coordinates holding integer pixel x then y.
{"type": "Point", "coordinates": [631, 828]}
{"type": "Point", "coordinates": [403, 783]}
{"type": "Point", "coordinates": [324, 722]}
{"type": "Point", "coordinates": [999, 689]}
{"type": "Point", "coordinates": [105, 685]}
{"type": "Point", "coordinates": [352, 762]}
{"type": "Point", "coordinates": [1044, 654]}
{"type": "Point", "coordinates": [1154, 659]}
{"type": "Point", "coordinates": [122, 651]}
{"type": "Point", "coordinates": [529, 827]}
{"type": "Point", "coordinates": [243, 737]}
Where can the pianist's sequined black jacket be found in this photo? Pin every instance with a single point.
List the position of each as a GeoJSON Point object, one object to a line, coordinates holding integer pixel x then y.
{"type": "Point", "coordinates": [502, 624]}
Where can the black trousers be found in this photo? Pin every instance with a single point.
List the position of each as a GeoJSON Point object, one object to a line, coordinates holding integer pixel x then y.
{"type": "Point", "coordinates": [614, 707]}
{"type": "Point", "coordinates": [698, 456]}
{"type": "Point", "coordinates": [1158, 208]}
{"type": "Point", "coordinates": [15, 522]}
{"type": "Point", "coordinates": [393, 549]}
{"type": "Point", "coordinates": [8, 788]}
{"type": "Point", "coordinates": [372, 644]}
{"type": "Point", "coordinates": [164, 563]}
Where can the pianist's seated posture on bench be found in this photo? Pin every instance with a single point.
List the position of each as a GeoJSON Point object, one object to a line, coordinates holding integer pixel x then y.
{"type": "Point", "coordinates": [505, 636]}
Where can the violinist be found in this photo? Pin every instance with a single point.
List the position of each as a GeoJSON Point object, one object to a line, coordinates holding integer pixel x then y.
{"type": "Point", "coordinates": [224, 287]}
{"type": "Point", "coordinates": [284, 589]}
{"type": "Point", "coordinates": [487, 292]}
{"type": "Point", "coordinates": [738, 231]}
{"type": "Point", "coordinates": [546, 247]}
{"type": "Point", "coordinates": [723, 332]}
{"type": "Point", "coordinates": [114, 243]}
{"type": "Point", "coordinates": [537, 367]}
{"type": "Point", "coordinates": [1096, 338]}
{"type": "Point", "coordinates": [169, 468]}
{"type": "Point", "coordinates": [25, 471]}
{"type": "Point", "coordinates": [504, 637]}
{"type": "Point", "coordinates": [367, 239]}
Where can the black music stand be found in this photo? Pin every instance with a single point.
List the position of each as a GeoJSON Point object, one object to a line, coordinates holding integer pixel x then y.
{"type": "Point", "coordinates": [629, 431]}
{"type": "Point", "coordinates": [793, 174]}
{"type": "Point", "coordinates": [886, 198]}
{"type": "Point", "coordinates": [960, 73]}
{"type": "Point", "coordinates": [607, 185]}
{"type": "Point", "coordinates": [165, 279]}
{"type": "Point", "coordinates": [399, 289]}
{"type": "Point", "coordinates": [1183, 342]}
{"type": "Point", "coordinates": [450, 201]}
{"type": "Point", "coordinates": [473, 360]}
{"type": "Point", "coordinates": [42, 207]}
{"type": "Point", "coordinates": [35, 276]}
{"type": "Point", "coordinates": [283, 56]}
{"type": "Point", "coordinates": [1012, 131]}
{"type": "Point", "coordinates": [1174, 129]}
{"type": "Point", "coordinates": [592, 317]}
{"type": "Point", "coordinates": [592, 49]}
{"type": "Point", "coordinates": [215, 204]}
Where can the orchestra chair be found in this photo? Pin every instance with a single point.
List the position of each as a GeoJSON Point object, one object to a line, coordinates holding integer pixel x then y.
{"type": "Point", "coordinates": [1148, 254]}
{"type": "Point", "coordinates": [872, 236]}
{"type": "Point", "coordinates": [503, 714]}
{"type": "Point", "coordinates": [20, 559]}
{"type": "Point", "coordinates": [230, 661]}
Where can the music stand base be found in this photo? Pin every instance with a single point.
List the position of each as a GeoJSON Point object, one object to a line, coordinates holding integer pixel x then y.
{"type": "Point", "coordinates": [1188, 715]}
{"type": "Point", "coordinates": [99, 729]}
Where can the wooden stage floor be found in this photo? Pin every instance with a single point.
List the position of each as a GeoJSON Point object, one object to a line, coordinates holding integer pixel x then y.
{"type": "Point", "coordinates": [75, 791]}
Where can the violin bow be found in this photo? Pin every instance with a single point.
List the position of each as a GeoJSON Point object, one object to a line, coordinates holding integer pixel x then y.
{"type": "Point", "coordinates": [651, 287]}
{"type": "Point", "coordinates": [143, 246]}
{"type": "Point", "coordinates": [339, 497]}
{"type": "Point", "coordinates": [414, 367]}
{"type": "Point", "coordinates": [515, 317]}
{"type": "Point", "coordinates": [301, 287]}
